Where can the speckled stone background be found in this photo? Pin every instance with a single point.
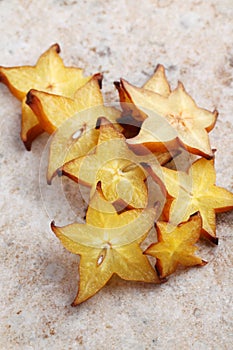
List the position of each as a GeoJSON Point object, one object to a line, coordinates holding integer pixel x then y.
{"type": "Point", "coordinates": [123, 38]}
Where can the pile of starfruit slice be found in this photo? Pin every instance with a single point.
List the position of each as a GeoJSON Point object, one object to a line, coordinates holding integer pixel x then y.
{"type": "Point", "coordinates": [147, 162]}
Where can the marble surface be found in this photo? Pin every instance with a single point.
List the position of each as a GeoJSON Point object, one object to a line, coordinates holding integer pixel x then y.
{"type": "Point", "coordinates": [38, 278]}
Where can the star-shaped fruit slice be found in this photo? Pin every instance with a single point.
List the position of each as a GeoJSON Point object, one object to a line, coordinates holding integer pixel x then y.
{"type": "Point", "coordinates": [74, 121]}
{"type": "Point", "coordinates": [69, 143]}
{"type": "Point", "coordinates": [157, 83]}
{"type": "Point", "coordinates": [53, 110]}
{"type": "Point", "coordinates": [115, 166]}
{"type": "Point", "coordinates": [76, 139]}
{"type": "Point", "coordinates": [170, 120]}
{"type": "Point", "coordinates": [175, 246]}
{"type": "Point", "coordinates": [108, 243]}
{"type": "Point", "coordinates": [50, 75]}
{"type": "Point", "coordinates": [196, 191]}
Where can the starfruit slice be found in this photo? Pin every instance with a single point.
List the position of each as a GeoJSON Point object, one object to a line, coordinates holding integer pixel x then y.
{"type": "Point", "coordinates": [115, 166]}
{"type": "Point", "coordinates": [157, 83]}
{"type": "Point", "coordinates": [76, 139]}
{"type": "Point", "coordinates": [175, 246]}
{"type": "Point", "coordinates": [53, 110]}
{"type": "Point", "coordinates": [108, 243]}
{"type": "Point", "coordinates": [49, 74]}
{"type": "Point", "coordinates": [170, 120]}
{"type": "Point", "coordinates": [74, 121]}
{"type": "Point", "coordinates": [196, 191]}
{"type": "Point", "coordinates": [78, 135]}
{"type": "Point", "coordinates": [68, 144]}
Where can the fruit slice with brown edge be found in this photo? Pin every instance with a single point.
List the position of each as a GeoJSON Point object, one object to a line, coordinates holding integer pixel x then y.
{"type": "Point", "coordinates": [175, 246]}
{"type": "Point", "coordinates": [49, 74]}
{"type": "Point", "coordinates": [75, 139]}
{"type": "Point", "coordinates": [115, 166]}
{"type": "Point", "coordinates": [68, 144]}
{"type": "Point", "coordinates": [196, 191]}
{"type": "Point", "coordinates": [157, 83]}
{"type": "Point", "coordinates": [74, 121]}
{"type": "Point", "coordinates": [108, 243]}
{"type": "Point", "coordinates": [171, 121]}
{"type": "Point", "coordinates": [52, 110]}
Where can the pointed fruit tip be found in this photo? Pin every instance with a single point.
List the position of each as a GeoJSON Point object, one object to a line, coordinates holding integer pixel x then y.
{"type": "Point", "coordinates": [49, 181]}
{"type": "Point", "coordinates": [30, 97]}
{"type": "Point", "coordinates": [27, 145]}
{"type": "Point", "coordinates": [159, 67]}
{"type": "Point", "coordinates": [56, 47]}
{"type": "Point", "coordinates": [117, 84]}
{"type": "Point", "coordinates": [214, 240]}
{"type": "Point", "coordinates": [53, 226]}
{"type": "Point", "coordinates": [203, 263]}
{"type": "Point", "coordinates": [216, 113]}
{"type": "Point", "coordinates": [180, 85]}
{"type": "Point", "coordinates": [74, 304]}
{"type": "Point", "coordinates": [99, 77]}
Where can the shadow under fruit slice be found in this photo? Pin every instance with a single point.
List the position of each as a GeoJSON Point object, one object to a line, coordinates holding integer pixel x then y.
{"type": "Point", "coordinates": [196, 191]}
{"type": "Point", "coordinates": [175, 246]}
{"type": "Point", "coordinates": [109, 243]}
{"type": "Point", "coordinates": [115, 166]}
{"type": "Point", "coordinates": [49, 74]}
{"type": "Point", "coordinates": [170, 120]}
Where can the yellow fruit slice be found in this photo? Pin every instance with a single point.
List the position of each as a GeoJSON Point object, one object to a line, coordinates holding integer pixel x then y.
{"type": "Point", "coordinates": [115, 166]}
{"type": "Point", "coordinates": [75, 121]}
{"type": "Point", "coordinates": [69, 144]}
{"type": "Point", "coordinates": [176, 246]}
{"type": "Point", "coordinates": [170, 120]}
{"type": "Point", "coordinates": [53, 110]}
{"type": "Point", "coordinates": [157, 83]}
{"type": "Point", "coordinates": [30, 126]}
{"type": "Point", "coordinates": [77, 137]}
{"type": "Point", "coordinates": [196, 191]}
{"type": "Point", "coordinates": [108, 244]}
{"type": "Point", "coordinates": [50, 75]}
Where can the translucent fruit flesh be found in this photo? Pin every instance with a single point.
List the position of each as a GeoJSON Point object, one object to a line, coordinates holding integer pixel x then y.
{"type": "Point", "coordinates": [169, 119]}
{"type": "Point", "coordinates": [175, 246]}
{"type": "Point", "coordinates": [49, 75]}
{"type": "Point", "coordinates": [109, 243]}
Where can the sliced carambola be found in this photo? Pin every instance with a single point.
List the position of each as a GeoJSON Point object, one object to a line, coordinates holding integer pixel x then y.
{"type": "Point", "coordinates": [196, 191]}
{"type": "Point", "coordinates": [78, 136]}
{"type": "Point", "coordinates": [175, 246]}
{"type": "Point", "coordinates": [157, 83]}
{"type": "Point", "coordinates": [53, 110]}
{"type": "Point", "coordinates": [50, 75]}
{"type": "Point", "coordinates": [170, 120]}
{"type": "Point", "coordinates": [114, 165]}
{"type": "Point", "coordinates": [108, 243]}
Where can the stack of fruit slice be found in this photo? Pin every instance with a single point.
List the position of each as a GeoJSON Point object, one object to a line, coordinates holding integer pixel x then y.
{"type": "Point", "coordinates": [96, 146]}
